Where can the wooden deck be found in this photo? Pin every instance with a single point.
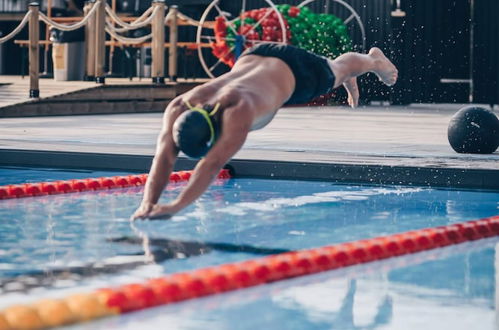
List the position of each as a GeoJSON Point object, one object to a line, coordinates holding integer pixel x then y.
{"type": "Point", "coordinates": [16, 89]}
{"type": "Point", "coordinates": [118, 95]}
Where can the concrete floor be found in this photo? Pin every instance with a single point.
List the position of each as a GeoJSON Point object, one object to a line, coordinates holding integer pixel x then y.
{"type": "Point", "coordinates": [415, 135]}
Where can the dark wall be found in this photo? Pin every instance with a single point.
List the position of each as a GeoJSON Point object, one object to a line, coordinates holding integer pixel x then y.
{"type": "Point", "coordinates": [11, 53]}
{"type": "Point", "coordinates": [432, 43]}
{"type": "Point", "coordinates": [486, 52]}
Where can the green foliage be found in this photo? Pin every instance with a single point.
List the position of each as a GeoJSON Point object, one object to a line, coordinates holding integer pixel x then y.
{"type": "Point", "coordinates": [322, 34]}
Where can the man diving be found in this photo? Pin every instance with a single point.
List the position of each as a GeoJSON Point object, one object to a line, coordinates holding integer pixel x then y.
{"type": "Point", "coordinates": [213, 120]}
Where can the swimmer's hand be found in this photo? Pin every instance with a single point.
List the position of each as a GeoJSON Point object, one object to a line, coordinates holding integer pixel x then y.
{"type": "Point", "coordinates": [163, 212]}
{"type": "Point", "coordinates": [156, 211]}
{"type": "Point", "coordinates": [142, 212]}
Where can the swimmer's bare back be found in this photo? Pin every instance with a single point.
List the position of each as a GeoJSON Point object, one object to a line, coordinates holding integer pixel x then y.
{"type": "Point", "coordinates": [264, 83]}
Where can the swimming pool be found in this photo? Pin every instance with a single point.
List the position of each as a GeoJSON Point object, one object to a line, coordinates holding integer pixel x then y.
{"type": "Point", "coordinates": [427, 291]}
{"type": "Point", "coordinates": [54, 245]}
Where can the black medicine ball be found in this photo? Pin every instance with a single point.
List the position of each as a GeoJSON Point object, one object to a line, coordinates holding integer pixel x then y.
{"type": "Point", "coordinates": [192, 134]}
{"type": "Point", "coordinates": [474, 130]}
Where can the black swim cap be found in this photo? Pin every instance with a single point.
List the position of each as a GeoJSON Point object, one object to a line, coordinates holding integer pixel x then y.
{"type": "Point", "coordinates": [195, 132]}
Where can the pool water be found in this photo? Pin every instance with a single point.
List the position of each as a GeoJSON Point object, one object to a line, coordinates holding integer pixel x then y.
{"type": "Point", "coordinates": [53, 245]}
{"type": "Point", "coordinates": [451, 289]}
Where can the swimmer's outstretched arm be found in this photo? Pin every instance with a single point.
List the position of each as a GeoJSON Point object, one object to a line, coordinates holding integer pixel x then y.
{"type": "Point", "coordinates": [162, 166]}
{"type": "Point", "coordinates": [235, 128]}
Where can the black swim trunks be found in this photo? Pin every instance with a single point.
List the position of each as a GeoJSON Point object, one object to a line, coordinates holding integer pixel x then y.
{"type": "Point", "coordinates": [312, 73]}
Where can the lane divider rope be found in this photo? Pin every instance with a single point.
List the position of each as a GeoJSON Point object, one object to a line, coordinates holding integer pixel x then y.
{"type": "Point", "coordinates": [79, 185]}
{"type": "Point", "coordinates": [217, 279]}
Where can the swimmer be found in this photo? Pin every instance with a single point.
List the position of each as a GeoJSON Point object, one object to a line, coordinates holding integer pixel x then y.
{"type": "Point", "coordinates": [213, 120]}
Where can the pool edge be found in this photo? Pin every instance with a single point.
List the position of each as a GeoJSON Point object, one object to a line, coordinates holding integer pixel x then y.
{"type": "Point", "coordinates": [438, 177]}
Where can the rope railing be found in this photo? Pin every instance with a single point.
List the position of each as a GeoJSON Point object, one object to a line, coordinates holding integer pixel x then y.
{"type": "Point", "coordinates": [18, 29]}
{"type": "Point", "coordinates": [138, 23]}
{"type": "Point", "coordinates": [110, 23]}
{"type": "Point", "coordinates": [99, 19]}
{"type": "Point", "coordinates": [189, 20]}
{"type": "Point", "coordinates": [64, 27]}
{"type": "Point", "coordinates": [144, 15]}
{"type": "Point", "coordinates": [126, 40]}
{"type": "Point", "coordinates": [169, 17]}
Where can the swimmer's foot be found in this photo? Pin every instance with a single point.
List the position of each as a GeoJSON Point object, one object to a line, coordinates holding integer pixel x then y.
{"type": "Point", "coordinates": [353, 91]}
{"type": "Point", "coordinates": [383, 68]}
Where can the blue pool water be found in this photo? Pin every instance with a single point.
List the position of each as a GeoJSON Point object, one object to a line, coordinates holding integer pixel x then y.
{"type": "Point", "coordinates": [453, 288]}
{"type": "Point", "coordinates": [53, 245]}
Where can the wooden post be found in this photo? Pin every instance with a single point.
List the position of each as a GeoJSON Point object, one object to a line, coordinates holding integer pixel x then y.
{"type": "Point", "coordinates": [34, 65]}
{"type": "Point", "coordinates": [89, 43]}
{"type": "Point", "coordinates": [47, 37]}
{"type": "Point", "coordinates": [111, 47]}
{"type": "Point", "coordinates": [158, 43]}
{"type": "Point", "coordinates": [100, 42]}
{"type": "Point", "coordinates": [173, 50]}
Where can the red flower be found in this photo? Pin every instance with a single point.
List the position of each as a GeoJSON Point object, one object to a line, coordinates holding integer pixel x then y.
{"type": "Point", "coordinates": [294, 11]}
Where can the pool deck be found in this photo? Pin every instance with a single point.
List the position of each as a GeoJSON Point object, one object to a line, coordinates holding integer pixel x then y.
{"type": "Point", "coordinates": [118, 95]}
{"type": "Point", "coordinates": [371, 144]}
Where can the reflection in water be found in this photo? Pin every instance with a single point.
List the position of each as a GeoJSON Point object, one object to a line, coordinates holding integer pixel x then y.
{"type": "Point", "coordinates": [155, 251]}
{"type": "Point", "coordinates": [149, 257]}
{"type": "Point", "coordinates": [335, 302]}
{"type": "Point", "coordinates": [390, 294]}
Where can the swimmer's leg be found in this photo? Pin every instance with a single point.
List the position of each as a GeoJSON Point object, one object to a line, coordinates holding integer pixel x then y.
{"type": "Point", "coordinates": [353, 91]}
{"type": "Point", "coordinates": [351, 65]}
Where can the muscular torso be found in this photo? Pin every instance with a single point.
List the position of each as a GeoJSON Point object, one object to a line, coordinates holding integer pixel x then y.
{"type": "Point", "coordinates": [264, 83]}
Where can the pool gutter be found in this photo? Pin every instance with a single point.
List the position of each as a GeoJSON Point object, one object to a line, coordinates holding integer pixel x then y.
{"type": "Point", "coordinates": [434, 176]}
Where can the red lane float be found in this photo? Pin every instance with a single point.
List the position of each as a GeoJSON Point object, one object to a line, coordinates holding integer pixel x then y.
{"type": "Point", "coordinates": [78, 185]}
{"type": "Point", "coordinates": [228, 277]}
{"type": "Point", "coordinates": [211, 280]}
